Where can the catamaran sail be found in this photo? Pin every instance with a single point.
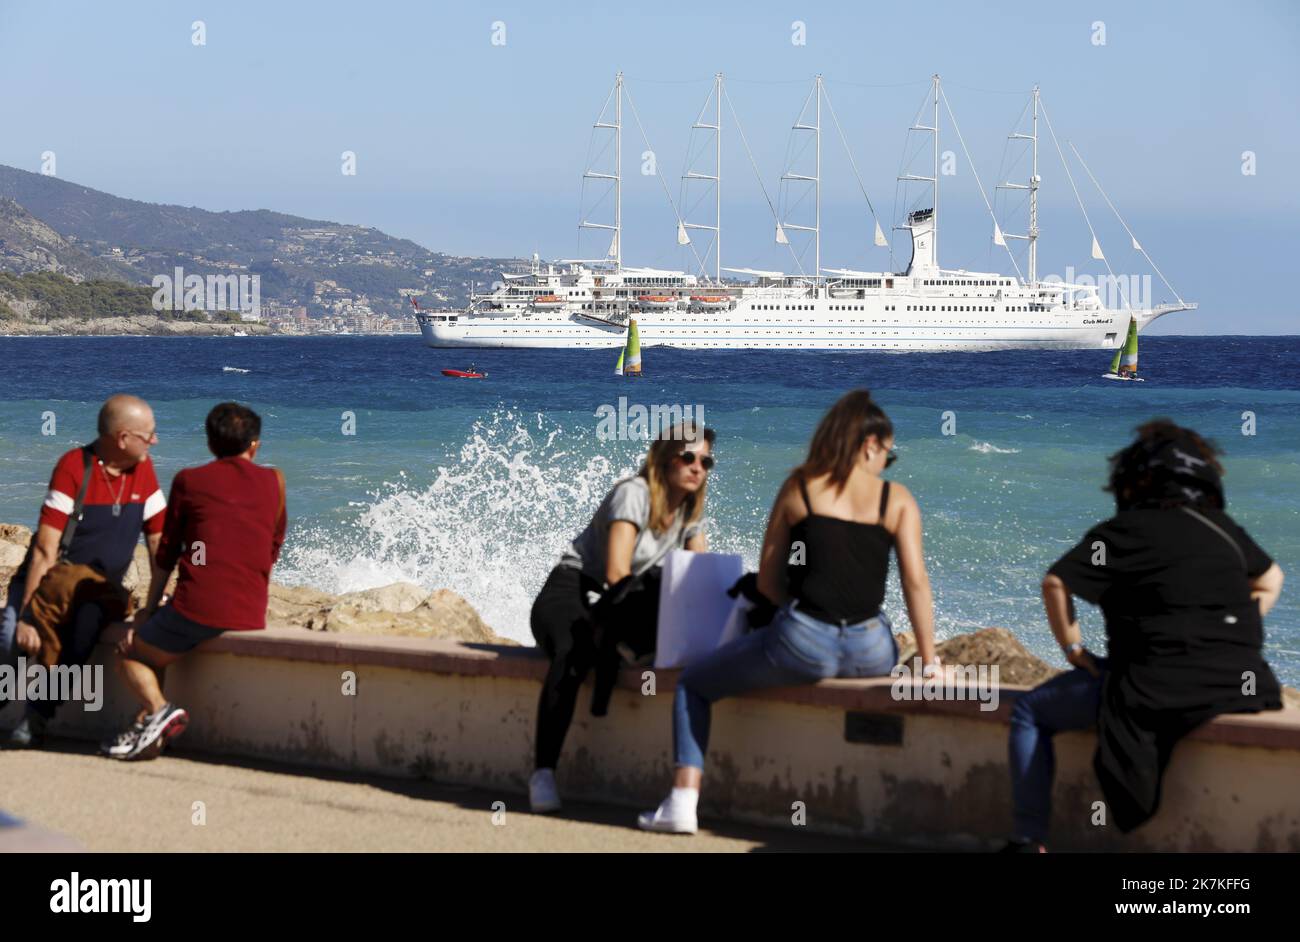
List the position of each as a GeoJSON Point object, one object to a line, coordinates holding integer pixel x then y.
{"type": "Point", "coordinates": [630, 358]}
{"type": "Point", "coordinates": [1125, 363]}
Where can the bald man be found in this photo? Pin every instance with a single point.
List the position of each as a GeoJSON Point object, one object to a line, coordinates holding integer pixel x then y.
{"type": "Point", "coordinates": [122, 500]}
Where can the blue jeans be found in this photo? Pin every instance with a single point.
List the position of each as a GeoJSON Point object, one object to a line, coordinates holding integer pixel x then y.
{"type": "Point", "coordinates": [795, 649]}
{"type": "Point", "coordinates": [1069, 701]}
{"type": "Point", "coordinates": [80, 644]}
{"type": "Point", "coordinates": [9, 619]}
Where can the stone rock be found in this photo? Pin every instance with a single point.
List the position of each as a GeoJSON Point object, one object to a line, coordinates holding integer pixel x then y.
{"type": "Point", "coordinates": [138, 575]}
{"type": "Point", "coordinates": [400, 609]}
{"type": "Point", "coordinates": [395, 597]}
{"type": "Point", "coordinates": [405, 610]}
{"type": "Point", "coordinates": [987, 646]}
{"type": "Point", "coordinates": [11, 555]}
{"type": "Point", "coordinates": [294, 606]}
{"type": "Point", "coordinates": [15, 533]}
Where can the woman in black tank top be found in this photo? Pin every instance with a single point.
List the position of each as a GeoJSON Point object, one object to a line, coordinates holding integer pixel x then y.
{"type": "Point", "coordinates": [824, 562]}
{"type": "Point", "coordinates": [842, 578]}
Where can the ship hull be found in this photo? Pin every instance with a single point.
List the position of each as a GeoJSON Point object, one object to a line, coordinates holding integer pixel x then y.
{"type": "Point", "coordinates": [1067, 330]}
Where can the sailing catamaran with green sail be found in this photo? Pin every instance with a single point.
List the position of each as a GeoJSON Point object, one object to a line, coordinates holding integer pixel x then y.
{"type": "Point", "coordinates": [629, 358]}
{"type": "Point", "coordinates": [1125, 364]}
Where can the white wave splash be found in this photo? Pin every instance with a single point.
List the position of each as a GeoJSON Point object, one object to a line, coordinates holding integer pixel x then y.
{"type": "Point", "coordinates": [233, 369]}
{"type": "Point", "coordinates": [490, 526]}
{"type": "Point", "coordinates": [988, 448]}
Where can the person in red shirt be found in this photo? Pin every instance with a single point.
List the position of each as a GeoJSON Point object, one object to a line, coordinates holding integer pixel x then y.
{"type": "Point", "coordinates": [120, 500]}
{"type": "Point", "coordinates": [225, 525]}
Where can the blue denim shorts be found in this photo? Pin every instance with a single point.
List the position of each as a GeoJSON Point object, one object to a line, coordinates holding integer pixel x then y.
{"type": "Point", "coordinates": [172, 632]}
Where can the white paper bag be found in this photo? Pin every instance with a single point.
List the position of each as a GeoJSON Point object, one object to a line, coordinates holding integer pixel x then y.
{"type": "Point", "coordinates": [695, 613]}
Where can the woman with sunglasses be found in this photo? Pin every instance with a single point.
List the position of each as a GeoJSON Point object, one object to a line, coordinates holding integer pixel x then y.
{"type": "Point", "coordinates": [824, 561]}
{"type": "Point", "coordinates": [638, 523]}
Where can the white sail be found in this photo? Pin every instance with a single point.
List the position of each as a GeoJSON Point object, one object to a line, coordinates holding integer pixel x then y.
{"type": "Point", "coordinates": [880, 236]}
{"type": "Point", "coordinates": [1096, 250]}
{"type": "Point", "coordinates": [613, 247]}
{"type": "Point", "coordinates": [1136, 247]}
{"type": "Point", "coordinates": [682, 237]}
{"type": "Point", "coordinates": [997, 235]}
{"type": "Point", "coordinates": [780, 235]}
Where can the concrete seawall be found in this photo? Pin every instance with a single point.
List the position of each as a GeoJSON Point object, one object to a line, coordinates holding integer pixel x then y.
{"type": "Point", "coordinates": [927, 773]}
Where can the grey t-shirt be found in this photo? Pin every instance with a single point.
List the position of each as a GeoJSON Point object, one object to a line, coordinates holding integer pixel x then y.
{"type": "Point", "coordinates": [628, 500]}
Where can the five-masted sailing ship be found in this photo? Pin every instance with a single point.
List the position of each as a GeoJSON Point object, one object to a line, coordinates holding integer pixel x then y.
{"type": "Point", "coordinates": [592, 302]}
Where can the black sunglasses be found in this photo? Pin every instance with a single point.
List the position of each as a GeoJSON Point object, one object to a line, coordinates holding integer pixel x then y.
{"type": "Point", "coordinates": [688, 457]}
{"type": "Point", "coordinates": [890, 457]}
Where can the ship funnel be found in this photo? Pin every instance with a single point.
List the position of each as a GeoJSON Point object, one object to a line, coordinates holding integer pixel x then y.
{"type": "Point", "coordinates": [921, 225]}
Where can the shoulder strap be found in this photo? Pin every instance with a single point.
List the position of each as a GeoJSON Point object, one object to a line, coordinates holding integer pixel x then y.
{"type": "Point", "coordinates": [803, 489]}
{"type": "Point", "coordinates": [78, 506]}
{"type": "Point", "coordinates": [1219, 530]}
{"type": "Point", "coordinates": [884, 501]}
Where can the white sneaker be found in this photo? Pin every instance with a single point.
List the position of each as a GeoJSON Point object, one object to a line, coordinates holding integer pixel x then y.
{"type": "Point", "coordinates": [168, 723]}
{"type": "Point", "coordinates": [671, 817]}
{"type": "Point", "coordinates": [121, 745]}
{"type": "Point", "coordinates": [543, 796]}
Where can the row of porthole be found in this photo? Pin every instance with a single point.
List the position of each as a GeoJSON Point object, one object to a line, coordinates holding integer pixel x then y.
{"type": "Point", "coordinates": [874, 333]}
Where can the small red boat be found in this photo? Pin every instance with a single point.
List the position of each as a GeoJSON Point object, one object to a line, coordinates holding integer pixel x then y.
{"type": "Point", "coordinates": [465, 374]}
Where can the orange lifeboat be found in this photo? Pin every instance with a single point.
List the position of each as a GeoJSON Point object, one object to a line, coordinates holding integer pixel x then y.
{"type": "Point", "coordinates": [710, 301]}
{"type": "Point", "coordinates": [657, 301]}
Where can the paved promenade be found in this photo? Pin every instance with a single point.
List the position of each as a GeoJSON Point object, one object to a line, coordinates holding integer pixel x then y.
{"type": "Point", "coordinates": [255, 806]}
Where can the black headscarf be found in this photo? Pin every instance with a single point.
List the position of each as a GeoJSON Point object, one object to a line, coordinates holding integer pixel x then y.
{"type": "Point", "coordinates": [1168, 470]}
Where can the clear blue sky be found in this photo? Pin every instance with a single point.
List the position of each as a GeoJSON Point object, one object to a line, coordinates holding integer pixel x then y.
{"type": "Point", "coordinates": [476, 149]}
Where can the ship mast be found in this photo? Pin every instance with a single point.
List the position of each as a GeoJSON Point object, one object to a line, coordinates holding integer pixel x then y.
{"type": "Point", "coordinates": [715, 177]}
{"type": "Point", "coordinates": [616, 246]}
{"type": "Point", "coordinates": [934, 238]}
{"type": "Point", "coordinates": [816, 180]}
{"type": "Point", "coordinates": [817, 251]}
{"type": "Point", "coordinates": [1032, 186]}
{"type": "Point", "coordinates": [618, 172]}
{"type": "Point", "coordinates": [1033, 200]}
{"type": "Point", "coordinates": [932, 180]}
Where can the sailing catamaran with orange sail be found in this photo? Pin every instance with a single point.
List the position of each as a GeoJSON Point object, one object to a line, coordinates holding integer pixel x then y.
{"type": "Point", "coordinates": [1125, 364]}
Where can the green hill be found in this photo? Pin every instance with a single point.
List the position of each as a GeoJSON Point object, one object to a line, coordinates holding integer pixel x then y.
{"type": "Point", "coordinates": [314, 263]}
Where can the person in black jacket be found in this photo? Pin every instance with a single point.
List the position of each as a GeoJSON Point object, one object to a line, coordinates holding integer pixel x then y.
{"type": "Point", "coordinates": [1183, 590]}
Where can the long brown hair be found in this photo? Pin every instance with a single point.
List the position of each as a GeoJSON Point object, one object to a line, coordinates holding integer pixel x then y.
{"type": "Point", "coordinates": [670, 443]}
{"type": "Point", "coordinates": [840, 435]}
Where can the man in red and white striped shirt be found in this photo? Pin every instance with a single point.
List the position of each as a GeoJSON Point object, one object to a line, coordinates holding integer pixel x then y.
{"type": "Point", "coordinates": [122, 500]}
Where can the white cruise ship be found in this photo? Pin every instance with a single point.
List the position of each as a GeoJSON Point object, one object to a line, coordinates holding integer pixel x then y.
{"type": "Point", "coordinates": [589, 303]}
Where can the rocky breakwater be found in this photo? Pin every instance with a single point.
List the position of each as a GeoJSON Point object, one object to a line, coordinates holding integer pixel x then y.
{"type": "Point", "coordinates": [398, 609]}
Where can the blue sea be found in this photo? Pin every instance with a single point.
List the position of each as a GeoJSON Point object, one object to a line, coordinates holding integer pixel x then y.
{"type": "Point", "coordinates": [475, 485]}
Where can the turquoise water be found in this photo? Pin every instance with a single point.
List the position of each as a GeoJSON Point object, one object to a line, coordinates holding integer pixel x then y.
{"type": "Point", "coordinates": [476, 485]}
